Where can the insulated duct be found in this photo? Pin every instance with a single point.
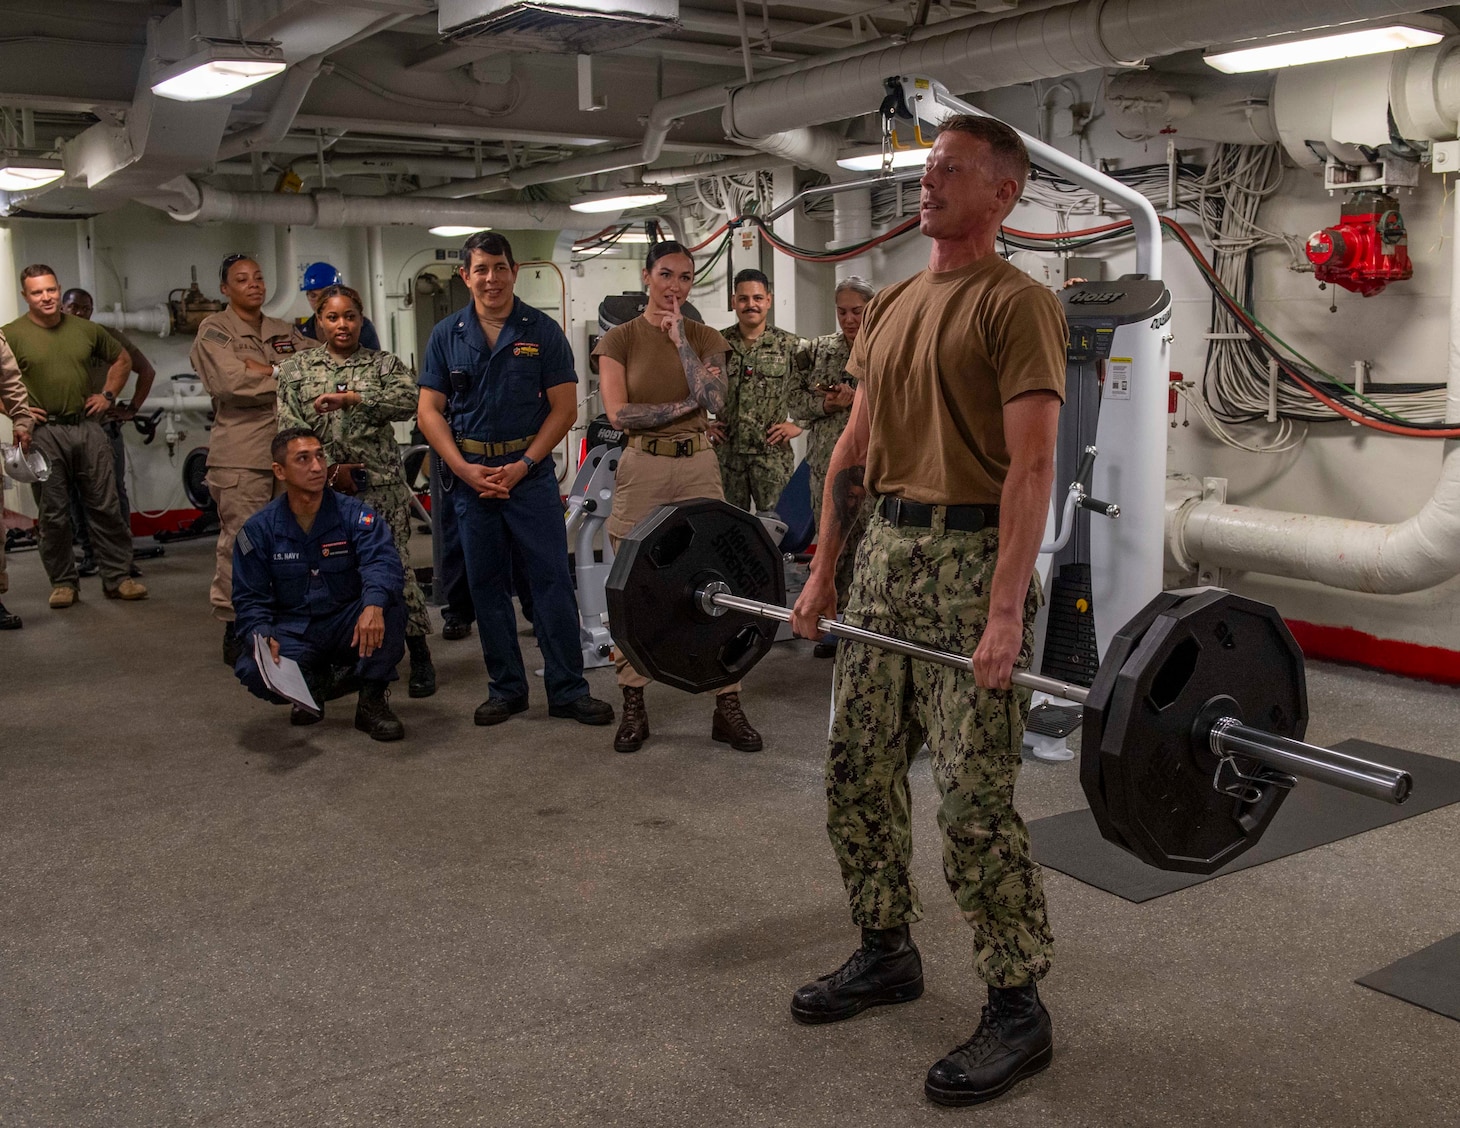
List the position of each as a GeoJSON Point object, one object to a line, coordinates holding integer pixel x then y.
{"type": "Point", "coordinates": [806, 148]}
{"type": "Point", "coordinates": [191, 202]}
{"type": "Point", "coordinates": [1393, 559]}
{"type": "Point", "coordinates": [1084, 36]}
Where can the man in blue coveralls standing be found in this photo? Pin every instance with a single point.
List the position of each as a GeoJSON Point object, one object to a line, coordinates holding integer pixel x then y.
{"type": "Point", "coordinates": [503, 371]}
{"type": "Point", "coordinates": [316, 573]}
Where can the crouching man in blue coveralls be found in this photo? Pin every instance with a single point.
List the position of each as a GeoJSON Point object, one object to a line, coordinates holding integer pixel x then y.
{"type": "Point", "coordinates": [503, 371]}
{"type": "Point", "coordinates": [317, 574]}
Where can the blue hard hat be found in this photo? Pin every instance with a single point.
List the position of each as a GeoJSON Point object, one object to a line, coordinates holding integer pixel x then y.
{"type": "Point", "coordinates": [318, 275]}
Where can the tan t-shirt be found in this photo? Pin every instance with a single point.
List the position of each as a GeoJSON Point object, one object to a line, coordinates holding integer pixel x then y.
{"type": "Point", "coordinates": [938, 356]}
{"type": "Point", "coordinates": [653, 370]}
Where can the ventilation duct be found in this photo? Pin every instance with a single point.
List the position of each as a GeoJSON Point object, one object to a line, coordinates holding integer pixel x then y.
{"type": "Point", "coordinates": [574, 27]}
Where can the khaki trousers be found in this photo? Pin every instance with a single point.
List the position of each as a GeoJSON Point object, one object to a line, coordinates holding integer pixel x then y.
{"type": "Point", "coordinates": [239, 493]}
{"type": "Point", "coordinates": [643, 481]}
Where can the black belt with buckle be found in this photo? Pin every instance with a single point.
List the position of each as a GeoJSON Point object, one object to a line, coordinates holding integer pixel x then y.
{"type": "Point", "coordinates": [958, 518]}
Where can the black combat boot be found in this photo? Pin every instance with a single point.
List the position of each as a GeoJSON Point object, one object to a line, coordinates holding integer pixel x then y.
{"type": "Point", "coordinates": [1014, 1040]}
{"type": "Point", "coordinates": [373, 715]}
{"type": "Point", "coordinates": [885, 969]}
{"type": "Point", "coordinates": [9, 621]}
{"type": "Point", "coordinates": [730, 726]}
{"type": "Point", "coordinates": [453, 628]}
{"type": "Point", "coordinates": [423, 673]}
{"type": "Point", "coordinates": [232, 646]}
{"type": "Point", "coordinates": [633, 726]}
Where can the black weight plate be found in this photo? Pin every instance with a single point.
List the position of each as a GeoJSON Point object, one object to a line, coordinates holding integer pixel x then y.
{"type": "Point", "coordinates": [1097, 708]}
{"type": "Point", "coordinates": [664, 560]}
{"type": "Point", "coordinates": [1157, 769]}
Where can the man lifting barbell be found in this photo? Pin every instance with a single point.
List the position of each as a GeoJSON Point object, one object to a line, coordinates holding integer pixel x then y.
{"type": "Point", "coordinates": [953, 428]}
{"type": "Point", "coordinates": [1192, 725]}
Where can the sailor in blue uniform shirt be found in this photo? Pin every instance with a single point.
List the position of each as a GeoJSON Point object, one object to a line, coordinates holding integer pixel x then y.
{"type": "Point", "coordinates": [504, 374]}
{"type": "Point", "coordinates": [317, 574]}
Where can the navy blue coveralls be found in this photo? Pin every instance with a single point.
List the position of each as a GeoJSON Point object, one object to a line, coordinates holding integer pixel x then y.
{"type": "Point", "coordinates": [499, 395]}
{"type": "Point", "coordinates": [307, 590]}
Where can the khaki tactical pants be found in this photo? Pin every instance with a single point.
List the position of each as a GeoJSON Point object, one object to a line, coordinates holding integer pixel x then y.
{"type": "Point", "coordinates": [643, 481]}
{"type": "Point", "coordinates": [934, 586]}
{"type": "Point", "coordinates": [239, 493]}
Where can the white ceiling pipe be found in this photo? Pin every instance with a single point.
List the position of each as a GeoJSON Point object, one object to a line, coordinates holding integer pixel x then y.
{"type": "Point", "coordinates": [393, 164]}
{"type": "Point", "coordinates": [669, 110]}
{"type": "Point", "coordinates": [851, 224]}
{"type": "Point", "coordinates": [282, 113]}
{"type": "Point", "coordinates": [1393, 559]}
{"type": "Point", "coordinates": [590, 164]}
{"type": "Point", "coordinates": [1087, 35]}
{"type": "Point", "coordinates": [806, 148]}
{"type": "Point", "coordinates": [281, 279]}
{"type": "Point", "coordinates": [191, 202]}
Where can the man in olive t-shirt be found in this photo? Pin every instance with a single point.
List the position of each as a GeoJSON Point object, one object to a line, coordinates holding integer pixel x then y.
{"type": "Point", "coordinates": [953, 429]}
{"type": "Point", "coordinates": [54, 351]}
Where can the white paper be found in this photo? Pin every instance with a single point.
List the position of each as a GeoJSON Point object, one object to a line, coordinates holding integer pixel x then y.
{"type": "Point", "coordinates": [286, 679]}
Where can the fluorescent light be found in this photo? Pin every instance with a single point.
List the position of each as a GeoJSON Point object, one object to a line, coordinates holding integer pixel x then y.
{"type": "Point", "coordinates": [217, 71]}
{"type": "Point", "coordinates": [872, 161]}
{"type": "Point", "coordinates": [447, 231]}
{"type": "Point", "coordinates": [1288, 51]}
{"type": "Point", "coordinates": [21, 174]}
{"type": "Point", "coordinates": [617, 199]}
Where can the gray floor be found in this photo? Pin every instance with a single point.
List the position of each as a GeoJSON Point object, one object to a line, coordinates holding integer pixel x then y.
{"type": "Point", "coordinates": [212, 918]}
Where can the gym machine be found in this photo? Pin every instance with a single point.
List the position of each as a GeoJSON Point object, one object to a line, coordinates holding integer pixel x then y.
{"type": "Point", "coordinates": [1192, 728]}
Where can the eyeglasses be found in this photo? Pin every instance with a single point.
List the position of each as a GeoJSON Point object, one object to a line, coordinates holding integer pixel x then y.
{"type": "Point", "coordinates": [228, 264]}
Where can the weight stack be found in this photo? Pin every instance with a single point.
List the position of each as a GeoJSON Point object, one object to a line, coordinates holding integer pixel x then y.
{"type": "Point", "coordinates": [1070, 651]}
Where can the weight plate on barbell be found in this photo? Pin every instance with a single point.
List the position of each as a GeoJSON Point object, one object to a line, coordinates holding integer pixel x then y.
{"type": "Point", "coordinates": [1096, 709]}
{"type": "Point", "coordinates": [653, 613]}
{"type": "Point", "coordinates": [1156, 765]}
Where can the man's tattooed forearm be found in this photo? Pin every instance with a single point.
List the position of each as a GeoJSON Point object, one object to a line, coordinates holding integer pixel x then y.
{"type": "Point", "coordinates": [848, 492]}
{"type": "Point", "coordinates": [706, 378]}
{"type": "Point", "coordinates": [647, 416]}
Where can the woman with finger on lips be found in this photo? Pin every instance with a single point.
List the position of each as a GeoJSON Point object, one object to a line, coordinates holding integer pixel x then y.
{"type": "Point", "coordinates": [659, 376]}
{"type": "Point", "coordinates": [350, 396]}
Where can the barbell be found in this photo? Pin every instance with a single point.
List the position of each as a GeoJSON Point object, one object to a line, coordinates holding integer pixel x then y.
{"type": "Point", "coordinates": [1192, 728]}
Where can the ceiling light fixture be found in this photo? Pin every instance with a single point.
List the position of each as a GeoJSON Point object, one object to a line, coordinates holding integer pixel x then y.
{"type": "Point", "coordinates": [1334, 43]}
{"type": "Point", "coordinates": [451, 231]}
{"type": "Point", "coordinates": [220, 69]}
{"type": "Point", "coordinates": [871, 161]}
{"type": "Point", "coordinates": [21, 174]}
{"type": "Point", "coordinates": [618, 199]}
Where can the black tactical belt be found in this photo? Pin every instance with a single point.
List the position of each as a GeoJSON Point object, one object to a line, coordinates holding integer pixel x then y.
{"type": "Point", "coordinates": [670, 448]}
{"type": "Point", "coordinates": [958, 518]}
{"type": "Point", "coordinates": [493, 450]}
{"type": "Point", "coordinates": [68, 420]}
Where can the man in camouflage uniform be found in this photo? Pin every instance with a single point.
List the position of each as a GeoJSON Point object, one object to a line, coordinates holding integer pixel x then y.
{"type": "Point", "coordinates": [820, 402]}
{"type": "Point", "coordinates": [952, 430]}
{"type": "Point", "coordinates": [752, 435]}
{"type": "Point", "coordinates": [360, 443]}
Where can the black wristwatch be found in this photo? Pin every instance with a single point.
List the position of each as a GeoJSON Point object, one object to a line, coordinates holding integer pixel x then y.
{"type": "Point", "coordinates": [531, 462]}
{"type": "Point", "coordinates": [110, 397]}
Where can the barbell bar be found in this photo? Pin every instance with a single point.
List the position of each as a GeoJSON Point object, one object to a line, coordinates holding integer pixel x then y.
{"type": "Point", "coordinates": [1192, 727]}
{"type": "Point", "coordinates": [1226, 736]}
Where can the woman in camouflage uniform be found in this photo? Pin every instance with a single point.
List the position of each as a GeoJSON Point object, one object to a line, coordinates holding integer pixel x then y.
{"type": "Point", "coordinates": [820, 400]}
{"type": "Point", "coordinates": [349, 396]}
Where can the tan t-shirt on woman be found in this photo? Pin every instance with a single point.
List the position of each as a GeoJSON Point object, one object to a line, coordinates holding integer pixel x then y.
{"type": "Point", "coordinates": [653, 370]}
{"type": "Point", "coordinates": [938, 356]}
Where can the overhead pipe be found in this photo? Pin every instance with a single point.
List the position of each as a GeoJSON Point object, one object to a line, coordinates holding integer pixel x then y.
{"type": "Point", "coordinates": [152, 319]}
{"type": "Point", "coordinates": [1407, 556]}
{"type": "Point", "coordinates": [807, 148]}
{"type": "Point", "coordinates": [191, 202]}
{"type": "Point", "coordinates": [669, 110]}
{"type": "Point", "coordinates": [1087, 35]}
{"type": "Point", "coordinates": [590, 164]}
{"type": "Point", "coordinates": [292, 92]}
{"type": "Point", "coordinates": [283, 285]}
{"type": "Point", "coordinates": [281, 115]}
{"type": "Point", "coordinates": [688, 174]}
